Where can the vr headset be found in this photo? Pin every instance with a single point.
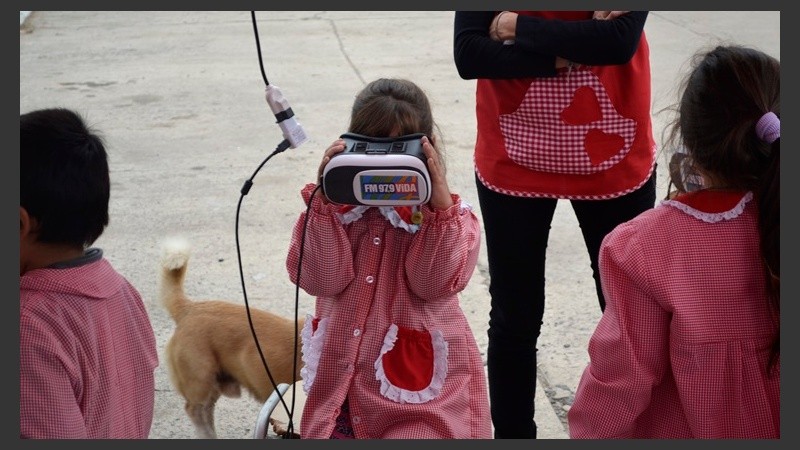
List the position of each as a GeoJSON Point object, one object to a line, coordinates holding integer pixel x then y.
{"type": "Point", "coordinates": [378, 172]}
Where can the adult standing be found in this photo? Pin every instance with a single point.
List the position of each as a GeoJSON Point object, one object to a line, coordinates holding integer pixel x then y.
{"type": "Point", "coordinates": [563, 112]}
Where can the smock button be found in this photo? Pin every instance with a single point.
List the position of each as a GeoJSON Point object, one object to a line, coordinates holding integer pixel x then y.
{"type": "Point", "coordinates": [370, 279]}
{"type": "Point", "coordinates": [356, 419]}
{"type": "Point", "coordinates": [356, 332]}
{"type": "Point", "coordinates": [376, 241]}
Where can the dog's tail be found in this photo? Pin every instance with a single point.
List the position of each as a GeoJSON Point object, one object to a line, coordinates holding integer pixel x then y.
{"type": "Point", "coordinates": [174, 259]}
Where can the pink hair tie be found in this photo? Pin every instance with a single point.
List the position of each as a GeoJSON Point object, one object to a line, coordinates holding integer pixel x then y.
{"type": "Point", "coordinates": [768, 127]}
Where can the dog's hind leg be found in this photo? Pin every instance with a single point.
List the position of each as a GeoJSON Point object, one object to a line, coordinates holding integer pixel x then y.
{"type": "Point", "coordinates": [202, 416]}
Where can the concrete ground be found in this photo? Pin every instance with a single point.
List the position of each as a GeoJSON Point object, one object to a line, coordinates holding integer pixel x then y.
{"type": "Point", "coordinates": [180, 99]}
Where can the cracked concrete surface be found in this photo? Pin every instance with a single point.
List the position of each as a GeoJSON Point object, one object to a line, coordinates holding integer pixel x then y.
{"type": "Point", "coordinates": [180, 98]}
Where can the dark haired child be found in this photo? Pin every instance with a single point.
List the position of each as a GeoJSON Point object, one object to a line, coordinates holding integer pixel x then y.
{"type": "Point", "coordinates": [87, 348]}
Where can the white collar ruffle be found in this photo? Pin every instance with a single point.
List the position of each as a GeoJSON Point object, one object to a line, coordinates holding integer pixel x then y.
{"type": "Point", "coordinates": [699, 210]}
{"type": "Point", "coordinates": [391, 214]}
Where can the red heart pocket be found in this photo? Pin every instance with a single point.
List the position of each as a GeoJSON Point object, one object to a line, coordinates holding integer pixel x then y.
{"type": "Point", "coordinates": [583, 109]}
{"type": "Point", "coordinates": [601, 146]}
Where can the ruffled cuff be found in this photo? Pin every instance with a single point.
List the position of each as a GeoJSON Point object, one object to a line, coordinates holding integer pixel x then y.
{"type": "Point", "coordinates": [318, 206]}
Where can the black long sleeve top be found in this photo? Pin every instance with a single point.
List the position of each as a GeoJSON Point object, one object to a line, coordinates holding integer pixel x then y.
{"type": "Point", "coordinates": [538, 41]}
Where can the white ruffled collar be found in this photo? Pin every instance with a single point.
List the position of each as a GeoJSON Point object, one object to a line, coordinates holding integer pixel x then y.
{"type": "Point", "coordinates": [711, 206]}
{"type": "Point", "coordinates": [405, 217]}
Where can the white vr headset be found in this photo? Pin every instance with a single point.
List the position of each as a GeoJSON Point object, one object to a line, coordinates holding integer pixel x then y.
{"type": "Point", "coordinates": [373, 171]}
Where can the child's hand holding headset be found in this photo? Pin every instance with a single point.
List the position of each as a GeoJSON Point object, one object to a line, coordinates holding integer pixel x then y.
{"type": "Point", "coordinates": [440, 192]}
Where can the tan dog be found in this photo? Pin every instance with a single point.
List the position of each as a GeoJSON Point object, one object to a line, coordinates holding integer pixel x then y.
{"type": "Point", "coordinates": [212, 351]}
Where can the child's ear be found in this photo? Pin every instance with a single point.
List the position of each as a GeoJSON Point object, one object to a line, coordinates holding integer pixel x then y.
{"type": "Point", "coordinates": [25, 223]}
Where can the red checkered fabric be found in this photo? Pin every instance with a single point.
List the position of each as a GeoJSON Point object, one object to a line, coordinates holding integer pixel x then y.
{"type": "Point", "coordinates": [682, 348]}
{"type": "Point", "coordinates": [377, 287]}
{"type": "Point", "coordinates": [87, 355]}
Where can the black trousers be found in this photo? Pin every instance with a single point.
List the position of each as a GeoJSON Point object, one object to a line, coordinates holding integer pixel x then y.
{"type": "Point", "coordinates": [517, 230]}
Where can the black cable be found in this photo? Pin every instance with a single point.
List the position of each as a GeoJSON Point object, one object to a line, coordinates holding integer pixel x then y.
{"type": "Point", "coordinates": [290, 425]}
{"type": "Point", "coordinates": [244, 191]}
{"type": "Point", "coordinates": [258, 47]}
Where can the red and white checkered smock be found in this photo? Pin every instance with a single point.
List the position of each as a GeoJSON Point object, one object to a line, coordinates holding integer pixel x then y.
{"type": "Point", "coordinates": [388, 332]}
{"type": "Point", "coordinates": [681, 350]}
{"type": "Point", "coordinates": [585, 133]}
{"type": "Point", "coordinates": [87, 355]}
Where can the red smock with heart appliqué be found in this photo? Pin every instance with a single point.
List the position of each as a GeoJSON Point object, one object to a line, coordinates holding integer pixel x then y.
{"type": "Point", "coordinates": [584, 134]}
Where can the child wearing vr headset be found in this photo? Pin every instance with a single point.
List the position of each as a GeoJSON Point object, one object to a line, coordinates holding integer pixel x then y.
{"type": "Point", "coordinates": [388, 352]}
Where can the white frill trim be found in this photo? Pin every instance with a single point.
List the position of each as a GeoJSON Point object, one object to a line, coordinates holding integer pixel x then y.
{"type": "Point", "coordinates": [391, 215]}
{"type": "Point", "coordinates": [733, 213]}
{"type": "Point", "coordinates": [387, 211]}
{"type": "Point", "coordinates": [394, 218]}
{"type": "Point", "coordinates": [426, 394]}
{"type": "Point", "coordinates": [352, 215]}
{"type": "Point", "coordinates": [311, 349]}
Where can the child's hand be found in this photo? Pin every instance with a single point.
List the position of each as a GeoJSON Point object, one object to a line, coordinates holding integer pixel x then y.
{"type": "Point", "coordinates": [338, 146]}
{"type": "Point", "coordinates": [440, 192]}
